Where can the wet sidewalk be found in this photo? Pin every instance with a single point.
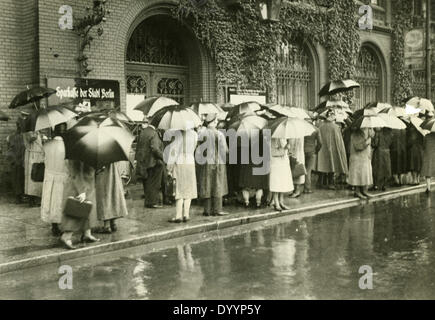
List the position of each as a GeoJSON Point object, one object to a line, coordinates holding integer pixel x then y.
{"type": "Point", "coordinates": [26, 241]}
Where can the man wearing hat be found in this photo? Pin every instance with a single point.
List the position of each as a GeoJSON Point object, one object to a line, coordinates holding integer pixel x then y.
{"type": "Point", "coordinates": [150, 166]}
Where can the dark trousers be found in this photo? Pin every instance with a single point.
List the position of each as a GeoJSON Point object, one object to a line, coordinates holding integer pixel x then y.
{"type": "Point", "coordinates": [17, 179]}
{"type": "Point", "coordinates": [213, 205]}
{"type": "Point", "coordinates": [152, 185]}
{"type": "Point", "coordinates": [309, 164]}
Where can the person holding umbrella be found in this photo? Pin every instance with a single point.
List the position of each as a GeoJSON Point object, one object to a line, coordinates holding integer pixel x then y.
{"type": "Point", "coordinates": [428, 166]}
{"type": "Point", "coordinates": [213, 172]}
{"type": "Point", "coordinates": [15, 157]}
{"type": "Point", "coordinates": [149, 157]}
{"type": "Point", "coordinates": [56, 178]}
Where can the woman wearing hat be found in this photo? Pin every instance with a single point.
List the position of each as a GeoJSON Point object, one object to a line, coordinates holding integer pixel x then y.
{"type": "Point", "coordinates": [212, 170]}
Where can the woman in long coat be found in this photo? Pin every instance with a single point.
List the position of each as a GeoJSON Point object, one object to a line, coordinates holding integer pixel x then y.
{"type": "Point", "coordinates": [213, 173]}
{"type": "Point", "coordinates": [331, 159]}
{"type": "Point", "coordinates": [56, 178]}
{"type": "Point", "coordinates": [428, 167]}
{"type": "Point", "coordinates": [181, 166]}
{"type": "Point", "coordinates": [381, 158]}
{"type": "Point", "coordinates": [110, 195]}
{"type": "Point", "coordinates": [81, 185]}
{"type": "Point", "coordinates": [280, 177]}
{"type": "Point", "coordinates": [34, 154]}
{"type": "Point", "coordinates": [247, 180]}
{"type": "Point", "coordinates": [360, 166]}
{"type": "Point", "coordinates": [415, 142]}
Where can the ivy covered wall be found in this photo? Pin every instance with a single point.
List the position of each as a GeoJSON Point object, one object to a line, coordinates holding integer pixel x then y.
{"type": "Point", "coordinates": [243, 45]}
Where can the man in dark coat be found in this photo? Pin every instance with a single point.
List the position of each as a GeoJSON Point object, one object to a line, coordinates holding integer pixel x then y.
{"type": "Point", "coordinates": [15, 157]}
{"type": "Point", "coordinates": [150, 166]}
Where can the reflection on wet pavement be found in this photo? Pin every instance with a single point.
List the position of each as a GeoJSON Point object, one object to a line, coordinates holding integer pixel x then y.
{"type": "Point", "coordinates": [313, 258]}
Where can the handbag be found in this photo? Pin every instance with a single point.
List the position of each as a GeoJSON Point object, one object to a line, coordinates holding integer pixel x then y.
{"type": "Point", "coordinates": [37, 174]}
{"type": "Point", "coordinates": [298, 169]}
{"type": "Point", "coordinates": [76, 209]}
{"type": "Point", "coordinates": [170, 188]}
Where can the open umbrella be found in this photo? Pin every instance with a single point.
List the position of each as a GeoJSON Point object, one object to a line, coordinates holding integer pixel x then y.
{"type": "Point", "coordinates": [337, 86]}
{"type": "Point", "coordinates": [392, 122]}
{"type": "Point", "coordinates": [283, 111]}
{"type": "Point", "coordinates": [416, 122]}
{"type": "Point", "coordinates": [395, 111]}
{"type": "Point", "coordinates": [3, 116]}
{"type": "Point", "coordinates": [49, 117]}
{"type": "Point", "coordinates": [331, 103]}
{"type": "Point", "coordinates": [428, 125]}
{"type": "Point", "coordinates": [370, 121]}
{"type": "Point", "coordinates": [250, 125]}
{"type": "Point", "coordinates": [289, 128]}
{"type": "Point", "coordinates": [176, 118]}
{"type": "Point", "coordinates": [153, 104]}
{"type": "Point", "coordinates": [421, 103]}
{"type": "Point", "coordinates": [206, 108]}
{"type": "Point", "coordinates": [98, 143]}
{"type": "Point", "coordinates": [31, 95]}
{"type": "Point", "coordinates": [245, 107]}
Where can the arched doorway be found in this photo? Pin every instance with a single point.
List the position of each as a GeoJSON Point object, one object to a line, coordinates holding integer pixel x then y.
{"type": "Point", "coordinates": [369, 76]}
{"type": "Point", "coordinates": [294, 75]}
{"type": "Point", "coordinates": [163, 57]}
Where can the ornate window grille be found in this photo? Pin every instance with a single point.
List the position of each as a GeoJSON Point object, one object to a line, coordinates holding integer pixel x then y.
{"type": "Point", "coordinates": [136, 84]}
{"type": "Point", "coordinates": [368, 75]}
{"type": "Point", "coordinates": [293, 75]}
{"type": "Point", "coordinates": [152, 44]}
{"type": "Point", "coordinates": [171, 88]}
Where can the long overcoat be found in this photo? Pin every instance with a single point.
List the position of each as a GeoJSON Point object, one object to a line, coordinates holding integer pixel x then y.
{"type": "Point", "coordinates": [332, 155]}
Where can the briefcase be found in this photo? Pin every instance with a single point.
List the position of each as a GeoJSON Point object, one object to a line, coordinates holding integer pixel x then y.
{"type": "Point", "coordinates": [76, 209]}
{"type": "Point", "coordinates": [37, 173]}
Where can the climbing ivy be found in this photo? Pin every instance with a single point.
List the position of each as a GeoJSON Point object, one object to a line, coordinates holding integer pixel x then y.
{"type": "Point", "coordinates": [402, 22]}
{"type": "Point", "coordinates": [244, 47]}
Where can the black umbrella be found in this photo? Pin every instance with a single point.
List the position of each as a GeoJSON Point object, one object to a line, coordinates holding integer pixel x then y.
{"type": "Point", "coordinates": [3, 116]}
{"type": "Point", "coordinates": [338, 86]}
{"type": "Point", "coordinates": [31, 96]}
{"type": "Point", "coordinates": [98, 143]}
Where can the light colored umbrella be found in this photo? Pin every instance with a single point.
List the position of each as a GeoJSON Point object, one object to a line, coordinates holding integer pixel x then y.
{"type": "Point", "coordinates": [250, 125]}
{"type": "Point", "coordinates": [49, 117]}
{"type": "Point", "coordinates": [176, 118]}
{"type": "Point", "coordinates": [410, 110]}
{"type": "Point", "coordinates": [416, 122]}
{"type": "Point", "coordinates": [153, 104]}
{"type": "Point", "coordinates": [282, 111]}
{"type": "Point", "coordinates": [421, 103]}
{"type": "Point", "coordinates": [370, 121]}
{"type": "Point", "coordinates": [206, 108]}
{"type": "Point", "coordinates": [338, 86]}
{"type": "Point", "coordinates": [392, 121]}
{"type": "Point", "coordinates": [290, 128]}
{"type": "Point", "coordinates": [245, 107]}
{"type": "Point", "coordinates": [396, 112]}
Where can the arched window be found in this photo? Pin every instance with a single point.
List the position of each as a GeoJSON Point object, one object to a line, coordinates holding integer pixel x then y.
{"type": "Point", "coordinates": [369, 76]}
{"type": "Point", "coordinates": [294, 75]}
{"type": "Point", "coordinates": [157, 61]}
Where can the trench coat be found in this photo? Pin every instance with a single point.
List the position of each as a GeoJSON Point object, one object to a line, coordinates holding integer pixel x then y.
{"type": "Point", "coordinates": [111, 202]}
{"type": "Point", "coordinates": [332, 156]}
{"type": "Point", "coordinates": [149, 150]}
{"type": "Point", "coordinates": [56, 178]}
{"type": "Point", "coordinates": [213, 173]}
{"type": "Point", "coordinates": [181, 165]}
{"type": "Point", "coordinates": [360, 165]}
{"type": "Point", "coordinates": [428, 167]}
{"type": "Point", "coordinates": [34, 154]}
{"type": "Point", "coordinates": [415, 142]}
{"type": "Point", "coordinates": [81, 180]}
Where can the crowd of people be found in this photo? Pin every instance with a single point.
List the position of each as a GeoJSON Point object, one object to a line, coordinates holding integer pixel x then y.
{"type": "Point", "coordinates": [337, 154]}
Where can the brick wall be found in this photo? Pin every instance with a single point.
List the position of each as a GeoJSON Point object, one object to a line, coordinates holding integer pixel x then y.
{"type": "Point", "coordinates": [18, 60]}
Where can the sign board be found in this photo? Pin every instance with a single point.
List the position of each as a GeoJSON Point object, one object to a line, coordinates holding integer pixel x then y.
{"type": "Point", "coordinates": [237, 96]}
{"type": "Point", "coordinates": [91, 94]}
{"type": "Point", "coordinates": [415, 48]}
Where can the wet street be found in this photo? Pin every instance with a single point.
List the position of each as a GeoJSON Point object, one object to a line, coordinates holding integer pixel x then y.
{"type": "Point", "coordinates": [312, 258]}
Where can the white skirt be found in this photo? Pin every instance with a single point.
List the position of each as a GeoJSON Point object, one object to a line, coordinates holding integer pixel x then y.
{"type": "Point", "coordinates": [280, 178]}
